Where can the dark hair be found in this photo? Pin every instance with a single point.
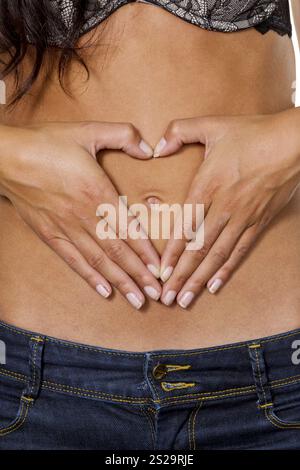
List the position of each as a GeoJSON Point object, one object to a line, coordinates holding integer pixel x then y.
{"type": "Point", "coordinates": [37, 22]}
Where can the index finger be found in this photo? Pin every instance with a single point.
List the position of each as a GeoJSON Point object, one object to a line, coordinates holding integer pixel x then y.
{"type": "Point", "coordinates": [113, 212]}
{"type": "Point", "coordinates": [189, 227]}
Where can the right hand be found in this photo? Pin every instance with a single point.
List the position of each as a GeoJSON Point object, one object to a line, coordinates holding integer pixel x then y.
{"type": "Point", "coordinates": [51, 176]}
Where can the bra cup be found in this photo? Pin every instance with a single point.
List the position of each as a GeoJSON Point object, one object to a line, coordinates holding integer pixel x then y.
{"type": "Point", "coordinates": [215, 15]}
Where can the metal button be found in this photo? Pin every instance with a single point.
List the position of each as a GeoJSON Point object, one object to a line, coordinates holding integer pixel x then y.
{"type": "Point", "coordinates": [159, 371]}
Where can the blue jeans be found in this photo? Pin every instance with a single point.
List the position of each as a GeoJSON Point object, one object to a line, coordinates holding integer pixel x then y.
{"type": "Point", "coordinates": [56, 394]}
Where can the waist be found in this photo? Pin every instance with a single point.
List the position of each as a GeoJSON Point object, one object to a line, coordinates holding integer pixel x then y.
{"type": "Point", "coordinates": [155, 377]}
{"type": "Point", "coordinates": [150, 82]}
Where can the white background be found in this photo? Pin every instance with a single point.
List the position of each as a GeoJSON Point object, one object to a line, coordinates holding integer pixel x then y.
{"type": "Point", "coordinates": [298, 68]}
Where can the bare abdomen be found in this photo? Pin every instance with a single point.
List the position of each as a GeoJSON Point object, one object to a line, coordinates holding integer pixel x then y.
{"type": "Point", "coordinates": [150, 80]}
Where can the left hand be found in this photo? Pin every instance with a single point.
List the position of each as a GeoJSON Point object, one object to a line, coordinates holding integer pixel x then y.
{"type": "Point", "coordinates": [250, 171]}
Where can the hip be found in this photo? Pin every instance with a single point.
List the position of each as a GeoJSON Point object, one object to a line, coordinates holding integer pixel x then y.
{"type": "Point", "coordinates": [181, 400]}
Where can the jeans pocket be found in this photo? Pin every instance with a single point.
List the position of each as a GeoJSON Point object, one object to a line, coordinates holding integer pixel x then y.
{"type": "Point", "coordinates": [284, 411]}
{"type": "Point", "coordinates": [14, 406]}
{"type": "Point", "coordinates": [18, 392]}
{"type": "Point", "coordinates": [280, 403]}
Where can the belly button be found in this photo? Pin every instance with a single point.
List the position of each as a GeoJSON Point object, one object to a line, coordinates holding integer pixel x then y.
{"type": "Point", "coordinates": [153, 201]}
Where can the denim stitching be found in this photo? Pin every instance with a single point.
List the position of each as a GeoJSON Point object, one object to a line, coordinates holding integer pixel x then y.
{"type": "Point", "coordinates": [19, 420]}
{"type": "Point", "coordinates": [65, 343]}
{"type": "Point", "coordinates": [78, 389]}
{"type": "Point", "coordinates": [149, 419]}
{"type": "Point", "coordinates": [176, 385]}
{"type": "Point", "coordinates": [135, 354]}
{"type": "Point", "coordinates": [205, 395]}
{"type": "Point", "coordinates": [238, 346]}
{"type": "Point", "coordinates": [153, 387]}
{"type": "Point", "coordinates": [14, 375]}
{"type": "Point", "coordinates": [244, 389]}
{"type": "Point", "coordinates": [260, 377]}
{"type": "Point", "coordinates": [191, 427]}
{"type": "Point", "coordinates": [149, 400]}
{"type": "Point", "coordinates": [91, 395]}
{"type": "Point", "coordinates": [177, 367]}
{"type": "Point", "coordinates": [274, 422]}
{"type": "Point", "coordinates": [194, 424]}
{"type": "Point", "coordinates": [288, 382]}
{"type": "Point", "coordinates": [34, 367]}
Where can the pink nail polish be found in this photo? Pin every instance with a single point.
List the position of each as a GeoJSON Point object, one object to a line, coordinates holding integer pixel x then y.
{"type": "Point", "coordinates": [215, 286]}
{"type": "Point", "coordinates": [186, 299]}
{"type": "Point", "coordinates": [169, 297]}
{"type": "Point", "coordinates": [103, 291]}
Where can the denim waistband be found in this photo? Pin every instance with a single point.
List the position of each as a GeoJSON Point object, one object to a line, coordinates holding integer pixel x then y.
{"type": "Point", "coordinates": [162, 377]}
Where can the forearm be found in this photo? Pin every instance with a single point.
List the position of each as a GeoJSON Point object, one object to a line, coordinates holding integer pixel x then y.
{"type": "Point", "coordinates": [9, 138]}
{"type": "Point", "coordinates": [6, 148]}
{"type": "Point", "coordinates": [16, 143]}
{"type": "Point", "coordinates": [288, 126]}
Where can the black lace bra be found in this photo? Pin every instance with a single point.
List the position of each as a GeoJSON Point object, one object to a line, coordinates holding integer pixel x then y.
{"type": "Point", "coordinates": [215, 15]}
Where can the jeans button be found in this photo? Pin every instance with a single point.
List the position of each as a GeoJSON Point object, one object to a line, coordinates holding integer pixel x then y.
{"type": "Point", "coordinates": [159, 371]}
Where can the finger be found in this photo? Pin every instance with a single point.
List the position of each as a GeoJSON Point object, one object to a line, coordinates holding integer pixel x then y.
{"type": "Point", "coordinates": [100, 262]}
{"type": "Point", "coordinates": [96, 136]}
{"type": "Point", "coordinates": [217, 257]}
{"type": "Point", "coordinates": [121, 254]}
{"type": "Point", "coordinates": [195, 267]}
{"type": "Point", "coordinates": [67, 251]}
{"type": "Point", "coordinates": [184, 131]}
{"type": "Point", "coordinates": [204, 234]}
{"type": "Point", "coordinates": [117, 221]}
{"type": "Point", "coordinates": [239, 253]}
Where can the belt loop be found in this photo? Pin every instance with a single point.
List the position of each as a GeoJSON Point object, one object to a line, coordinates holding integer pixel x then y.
{"type": "Point", "coordinates": [36, 348]}
{"type": "Point", "coordinates": [260, 376]}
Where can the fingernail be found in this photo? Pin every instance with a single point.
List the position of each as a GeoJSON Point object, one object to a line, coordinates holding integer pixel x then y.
{"type": "Point", "coordinates": [146, 148]}
{"type": "Point", "coordinates": [102, 291]}
{"type": "Point", "coordinates": [166, 273]}
{"type": "Point", "coordinates": [154, 270]}
{"type": "Point", "coordinates": [161, 144]}
{"type": "Point", "coordinates": [169, 297]}
{"type": "Point", "coordinates": [134, 300]}
{"type": "Point", "coordinates": [215, 286]}
{"type": "Point", "coordinates": [186, 299]}
{"type": "Point", "coordinates": [153, 293]}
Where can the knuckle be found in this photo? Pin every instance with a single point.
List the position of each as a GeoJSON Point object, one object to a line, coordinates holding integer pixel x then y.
{"type": "Point", "coordinates": [96, 260]}
{"type": "Point", "coordinates": [202, 252]}
{"type": "Point", "coordinates": [226, 271]}
{"type": "Point", "coordinates": [174, 128]}
{"type": "Point", "coordinates": [46, 233]}
{"type": "Point", "coordinates": [179, 279]}
{"type": "Point", "coordinates": [264, 222]}
{"type": "Point", "coordinates": [115, 251]}
{"type": "Point", "coordinates": [243, 250]}
{"type": "Point", "coordinates": [90, 279]}
{"type": "Point", "coordinates": [220, 255]}
{"type": "Point", "coordinates": [71, 261]}
{"type": "Point", "coordinates": [66, 212]}
{"type": "Point", "coordinates": [121, 284]}
{"type": "Point", "coordinates": [188, 229]}
{"type": "Point", "coordinates": [92, 192]}
{"type": "Point", "coordinates": [130, 132]}
{"type": "Point", "coordinates": [198, 284]}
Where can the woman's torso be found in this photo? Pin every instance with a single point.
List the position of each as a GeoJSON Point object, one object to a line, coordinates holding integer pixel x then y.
{"type": "Point", "coordinates": [150, 67]}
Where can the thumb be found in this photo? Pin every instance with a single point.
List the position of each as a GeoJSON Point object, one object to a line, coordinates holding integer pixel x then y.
{"type": "Point", "coordinates": [96, 136]}
{"type": "Point", "coordinates": [185, 131]}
